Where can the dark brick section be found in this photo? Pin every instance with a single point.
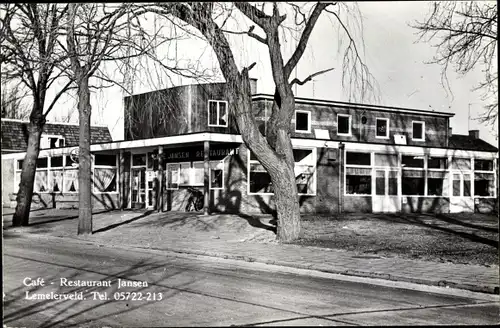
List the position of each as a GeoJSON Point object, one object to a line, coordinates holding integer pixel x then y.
{"type": "Point", "coordinates": [467, 142]}
{"type": "Point", "coordinates": [15, 134]}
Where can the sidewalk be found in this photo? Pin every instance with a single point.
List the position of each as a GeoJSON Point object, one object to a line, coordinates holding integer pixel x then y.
{"type": "Point", "coordinates": [234, 237]}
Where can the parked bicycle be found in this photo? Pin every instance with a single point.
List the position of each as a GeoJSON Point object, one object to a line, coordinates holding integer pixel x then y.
{"type": "Point", "coordinates": [195, 201]}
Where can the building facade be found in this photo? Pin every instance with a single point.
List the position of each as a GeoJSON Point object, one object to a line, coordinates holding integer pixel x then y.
{"type": "Point", "coordinates": [348, 158]}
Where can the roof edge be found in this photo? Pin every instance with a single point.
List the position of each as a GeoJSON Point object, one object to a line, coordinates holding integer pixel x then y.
{"type": "Point", "coordinates": [59, 123]}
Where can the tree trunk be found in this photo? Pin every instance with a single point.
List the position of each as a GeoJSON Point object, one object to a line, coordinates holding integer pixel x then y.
{"type": "Point", "coordinates": [84, 159]}
{"type": "Point", "coordinates": [25, 192]}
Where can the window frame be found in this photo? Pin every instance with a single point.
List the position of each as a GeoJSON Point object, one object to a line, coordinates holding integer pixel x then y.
{"type": "Point", "coordinates": [349, 134]}
{"type": "Point", "coordinates": [387, 135]}
{"type": "Point", "coordinates": [218, 113]}
{"type": "Point", "coordinates": [308, 121]}
{"type": "Point", "coordinates": [413, 131]}
{"type": "Point", "coordinates": [115, 167]}
{"type": "Point", "coordinates": [47, 137]}
{"type": "Point", "coordinates": [168, 176]}
{"type": "Point", "coordinates": [314, 175]}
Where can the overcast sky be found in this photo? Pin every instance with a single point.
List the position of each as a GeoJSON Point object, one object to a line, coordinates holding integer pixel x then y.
{"type": "Point", "coordinates": [394, 58]}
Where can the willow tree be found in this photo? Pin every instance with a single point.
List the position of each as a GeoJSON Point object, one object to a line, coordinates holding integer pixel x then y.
{"type": "Point", "coordinates": [31, 55]}
{"type": "Point", "coordinates": [274, 150]}
{"type": "Point", "coordinates": [464, 34]}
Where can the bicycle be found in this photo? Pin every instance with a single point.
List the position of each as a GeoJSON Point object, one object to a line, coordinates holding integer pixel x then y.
{"type": "Point", "coordinates": [195, 201]}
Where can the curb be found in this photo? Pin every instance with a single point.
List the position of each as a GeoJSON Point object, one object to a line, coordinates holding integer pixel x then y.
{"type": "Point", "coordinates": [307, 266]}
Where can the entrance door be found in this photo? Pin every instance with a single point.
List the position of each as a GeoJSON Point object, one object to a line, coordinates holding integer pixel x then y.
{"type": "Point", "coordinates": [138, 187]}
{"type": "Point", "coordinates": [386, 197]}
{"type": "Point", "coordinates": [461, 199]}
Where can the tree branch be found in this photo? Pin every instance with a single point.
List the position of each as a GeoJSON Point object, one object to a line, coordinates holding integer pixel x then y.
{"type": "Point", "coordinates": [310, 77]}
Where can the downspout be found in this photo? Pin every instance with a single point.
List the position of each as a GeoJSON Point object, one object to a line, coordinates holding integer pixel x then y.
{"type": "Point", "coordinates": [341, 181]}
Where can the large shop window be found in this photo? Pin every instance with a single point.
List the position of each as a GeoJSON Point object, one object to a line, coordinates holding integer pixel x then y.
{"type": "Point", "coordinates": [413, 183]}
{"type": "Point", "coordinates": [343, 124]}
{"type": "Point", "coordinates": [382, 128]}
{"type": "Point", "coordinates": [105, 173]}
{"type": "Point", "coordinates": [358, 181]}
{"type": "Point", "coordinates": [418, 131]}
{"type": "Point", "coordinates": [484, 184]}
{"type": "Point", "coordinates": [305, 174]}
{"type": "Point", "coordinates": [436, 183]}
{"type": "Point", "coordinates": [217, 113]}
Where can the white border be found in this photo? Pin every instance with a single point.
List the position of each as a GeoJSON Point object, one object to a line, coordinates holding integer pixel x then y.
{"type": "Point", "coordinates": [423, 131]}
{"type": "Point", "coordinates": [218, 113]}
{"type": "Point", "coordinates": [387, 135]}
{"type": "Point", "coordinates": [350, 125]}
{"type": "Point", "coordinates": [308, 121]}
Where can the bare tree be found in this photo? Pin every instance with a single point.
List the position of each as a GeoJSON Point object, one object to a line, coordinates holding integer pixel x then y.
{"type": "Point", "coordinates": [99, 33]}
{"type": "Point", "coordinates": [30, 53]}
{"type": "Point", "coordinates": [466, 39]}
{"type": "Point", "coordinates": [12, 103]}
{"type": "Point", "coordinates": [274, 151]}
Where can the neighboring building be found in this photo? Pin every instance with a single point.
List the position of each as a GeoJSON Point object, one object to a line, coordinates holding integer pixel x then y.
{"type": "Point", "coordinates": [349, 158]}
{"type": "Point", "coordinates": [54, 135]}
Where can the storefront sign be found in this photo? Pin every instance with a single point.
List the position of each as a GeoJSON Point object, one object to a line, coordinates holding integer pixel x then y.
{"type": "Point", "coordinates": [197, 154]}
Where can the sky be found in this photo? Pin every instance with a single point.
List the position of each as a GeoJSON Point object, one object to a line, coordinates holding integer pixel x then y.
{"type": "Point", "coordinates": [391, 51]}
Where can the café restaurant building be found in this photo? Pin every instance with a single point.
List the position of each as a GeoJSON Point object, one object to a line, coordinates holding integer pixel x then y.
{"type": "Point", "coordinates": [348, 158]}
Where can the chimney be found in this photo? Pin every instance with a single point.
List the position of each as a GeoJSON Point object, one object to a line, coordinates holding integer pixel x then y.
{"type": "Point", "coordinates": [474, 134]}
{"type": "Point", "coordinates": [253, 86]}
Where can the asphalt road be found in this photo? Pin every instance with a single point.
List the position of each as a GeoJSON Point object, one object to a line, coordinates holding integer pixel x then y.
{"type": "Point", "coordinates": [197, 291]}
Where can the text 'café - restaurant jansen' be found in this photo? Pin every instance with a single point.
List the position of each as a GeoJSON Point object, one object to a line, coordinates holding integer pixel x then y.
{"type": "Point", "coordinates": [348, 158]}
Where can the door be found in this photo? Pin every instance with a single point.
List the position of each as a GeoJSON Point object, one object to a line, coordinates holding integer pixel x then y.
{"type": "Point", "coordinates": [138, 187]}
{"type": "Point", "coordinates": [461, 199]}
{"type": "Point", "coordinates": [386, 197]}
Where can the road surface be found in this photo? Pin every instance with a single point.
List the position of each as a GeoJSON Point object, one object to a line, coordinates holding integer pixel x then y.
{"type": "Point", "coordinates": [166, 290]}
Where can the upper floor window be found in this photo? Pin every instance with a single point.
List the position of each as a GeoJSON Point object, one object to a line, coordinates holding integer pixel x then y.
{"type": "Point", "coordinates": [217, 113]}
{"type": "Point", "coordinates": [343, 124]}
{"type": "Point", "coordinates": [49, 141]}
{"type": "Point", "coordinates": [302, 121]}
{"type": "Point", "coordinates": [382, 128]}
{"type": "Point", "coordinates": [418, 131]}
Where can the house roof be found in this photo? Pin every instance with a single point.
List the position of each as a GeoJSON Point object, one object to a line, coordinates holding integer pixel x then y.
{"type": "Point", "coordinates": [15, 134]}
{"type": "Point", "coordinates": [459, 141]}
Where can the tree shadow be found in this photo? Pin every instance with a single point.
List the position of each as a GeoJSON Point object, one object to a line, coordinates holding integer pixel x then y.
{"type": "Point", "coordinates": [417, 220]}
{"type": "Point", "coordinates": [116, 225]}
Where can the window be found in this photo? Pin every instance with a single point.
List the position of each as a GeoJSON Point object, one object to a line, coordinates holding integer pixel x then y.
{"type": "Point", "coordinates": [483, 165]}
{"type": "Point", "coordinates": [173, 176]}
{"type": "Point", "coordinates": [413, 183]}
{"type": "Point", "coordinates": [484, 184]}
{"type": "Point", "coordinates": [217, 113]}
{"type": "Point", "coordinates": [217, 175]}
{"type": "Point", "coordinates": [353, 158]}
{"type": "Point", "coordinates": [105, 173]}
{"type": "Point", "coordinates": [198, 173]}
{"type": "Point", "coordinates": [56, 174]}
{"type": "Point", "coordinates": [70, 180]}
{"type": "Point", "coordinates": [462, 164]}
{"type": "Point", "coordinates": [382, 128]}
{"type": "Point", "coordinates": [343, 124]}
{"type": "Point", "coordinates": [305, 174]}
{"type": "Point", "coordinates": [390, 160]}
{"type": "Point", "coordinates": [139, 160]}
{"type": "Point", "coordinates": [49, 141]}
{"type": "Point", "coordinates": [185, 175]}
{"type": "Point", "coordinates": [380, 182]}
{"type": "Point", "coordinates": [418, 131]}
{"type": "Point", "coordinates": [358, 181]}
{"type": "Point", "coordinates": [302, 121]}
{"type": "Point", "coordinates": [437, 163]}
{"type": "Point", "coordinates": [413, 161]}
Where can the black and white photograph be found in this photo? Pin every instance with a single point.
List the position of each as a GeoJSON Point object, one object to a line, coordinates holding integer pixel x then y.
{"type": "Point", "coordinates": [202, 164]}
